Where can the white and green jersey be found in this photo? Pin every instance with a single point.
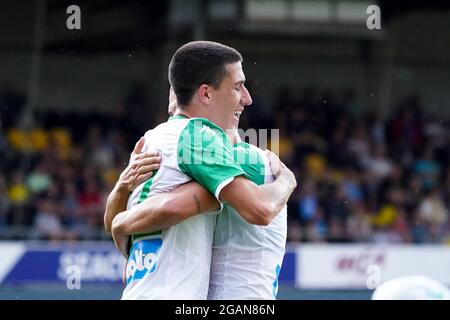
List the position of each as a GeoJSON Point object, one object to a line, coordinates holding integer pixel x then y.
{"type": "Point", "coordinates": [175, 263]}
{"type": "Point", "coordinates": [246, 258]}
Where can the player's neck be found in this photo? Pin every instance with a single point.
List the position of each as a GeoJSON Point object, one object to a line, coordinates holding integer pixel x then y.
{"type": "Point", "coordinates": [201, 111]}
{"type": "Point", "coordinates": [233, 136]}
{"type": "Point", "coordinates": [183, 112]}
{"type": "Point", "coordinates": [191, 112]}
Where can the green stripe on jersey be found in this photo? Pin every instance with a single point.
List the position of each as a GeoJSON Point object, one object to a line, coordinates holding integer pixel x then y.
{"type": "Point", "coordinates": [144, 195]}
{"type": "Point", "coordinates": [250, 160]}
{"type": "Point", "coordinates": [205, 154]}
{"type": "Point", "coordinates": [177, 116]}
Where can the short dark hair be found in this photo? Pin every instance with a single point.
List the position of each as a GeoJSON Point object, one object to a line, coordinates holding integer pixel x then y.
{"type": "Point", "coordinates": [197, 63]}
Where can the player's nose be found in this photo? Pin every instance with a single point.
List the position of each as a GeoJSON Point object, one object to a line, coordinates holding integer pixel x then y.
{"type": "Point", "coordinates": [246, 99]}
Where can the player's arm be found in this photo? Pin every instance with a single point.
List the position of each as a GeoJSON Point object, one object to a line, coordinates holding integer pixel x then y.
{"type": "Point", "coordinates": [139, 169]}
{"type": "Point", "coordinates": [165, 210]}
{"type": "Point", "coordinates": [260, 204]}
{"type": "Point", "coordinates": [206, 155]}
{"type": "Point", "coordinates": [161, 211]}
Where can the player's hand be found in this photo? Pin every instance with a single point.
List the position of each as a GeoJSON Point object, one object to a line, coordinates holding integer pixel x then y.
{"type": "Point", "coordinates": [275, 163]}
{"type": "Point", "coordinates": [279, 168]}
{"type": "Point", "coordinates": [140, 168]}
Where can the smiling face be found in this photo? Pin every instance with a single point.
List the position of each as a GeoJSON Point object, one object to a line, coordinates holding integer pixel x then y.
{"type": "Point", "coordinates": [232, 129]}
{"type": "Point", "coordinates": [230, 98]}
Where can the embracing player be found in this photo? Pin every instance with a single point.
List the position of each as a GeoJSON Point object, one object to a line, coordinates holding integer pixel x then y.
{"type": "Point", "coordinates": [246, 258]}
{"type": "Point", "coordinates": [175, 262]}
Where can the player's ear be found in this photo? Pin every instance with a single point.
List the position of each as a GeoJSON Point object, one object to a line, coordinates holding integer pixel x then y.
{"type": "Point", "coordinates": [204, 94]}
{"type": "Point", "coordinates": [172, 101]}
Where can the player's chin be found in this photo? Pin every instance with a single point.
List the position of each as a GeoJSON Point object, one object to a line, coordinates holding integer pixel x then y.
{"type": "Point", "coordinates": [234, 122]}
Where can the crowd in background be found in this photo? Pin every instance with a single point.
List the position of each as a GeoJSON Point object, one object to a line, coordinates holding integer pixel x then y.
{"type": "Point", "coordinates": [363, 175]}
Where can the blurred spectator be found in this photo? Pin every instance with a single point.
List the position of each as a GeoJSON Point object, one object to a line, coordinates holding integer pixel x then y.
{"type": "Point", "coordinates": [337, 152]}
{"type": "Point", "coordinates": [351, 186]}
{"type": "Point", "coordinates": [48, 222]}
{"type": "Point", "coordinates": [427, 169]}
{"type": "Point", "coordinates": [359, 144]}
{"type": "Point", "coordinates": [317, 227]}
{"type": "Point", "coordinates": [419, 229]}
{"type": "Point", "coordinates": [435, 131]}
{"type": "Point", "coordinates": [101, 153]}
{"type": "Point", "coordinates": [401, 227]}
{"type": "Point", "coordinates": [70, 208]}
{"type": "Point", "coordinates": [406, 131]}
{"type": "Point", "coordinates": [363, 178]}
{"type": "Point", "coordinates": [12, 102]}
{"type": "Point", "coordinates": [4, 202]}
{"type": "Point", "coordinates": [91, 202]}
{"type": "Point", "coordinates": [359, 226]}
{"type": "Point", "coordinates": [377, 128]}
{"type": "Point", "coordinates": [432, 209]}
{"type": "Point", "coordinates": [18, 195]}
{"type": "Point", "coordinates": [377, 164]}
{"type": "Point", "coordinates": [308, 203]}
{"type": "Point", "coordinates": [337, 230]}
{"type": "Point", "coordinates": [39, 179]}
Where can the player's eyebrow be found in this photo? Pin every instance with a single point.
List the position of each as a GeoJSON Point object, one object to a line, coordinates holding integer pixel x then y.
{"type": "Point", "coordinates": [239, 82]}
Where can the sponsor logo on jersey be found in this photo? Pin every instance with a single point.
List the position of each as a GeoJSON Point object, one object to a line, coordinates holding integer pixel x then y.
{"type": "Point", "coordinates": [143, 258]}
{"type": "Point", "coordinates": [275, 283]}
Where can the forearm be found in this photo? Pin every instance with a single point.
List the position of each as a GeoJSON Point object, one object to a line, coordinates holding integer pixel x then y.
{"type": "Point", "coordinates": [133, 221]}
{"type": "Point", "coordinates": [116, 203]}
{"type": "Point", "coordinates": [146, 217]}
{"type": "Point", "coordinates": [121, 242]}
{"type": "Point", "coordinates": [259, 204]}
{"type": "Point", "coordinates": [165, 210]}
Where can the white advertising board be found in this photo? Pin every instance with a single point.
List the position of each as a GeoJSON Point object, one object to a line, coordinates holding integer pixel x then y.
{"type": "Point", "coordinates": [361, 266]}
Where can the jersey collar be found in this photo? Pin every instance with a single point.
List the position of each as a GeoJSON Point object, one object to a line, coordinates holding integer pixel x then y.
{"type": "Point", "coordinates": [178, 116]}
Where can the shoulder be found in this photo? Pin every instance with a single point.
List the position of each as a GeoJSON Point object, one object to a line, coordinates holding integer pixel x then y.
{"type": "Point", "coordinates": [252, 150]}
{"type": "Point", "coordinates": [148, 133]}
{"type": "Point", "coordinates": [202, 131]}
{"type": "Point", "coordinates": [204, 126]}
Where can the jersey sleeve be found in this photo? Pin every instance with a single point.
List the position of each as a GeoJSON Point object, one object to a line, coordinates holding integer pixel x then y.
{"type": "Point", "coordinates": [206, 155]}
{"type": "Point", "coordinates": [250, 159]}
